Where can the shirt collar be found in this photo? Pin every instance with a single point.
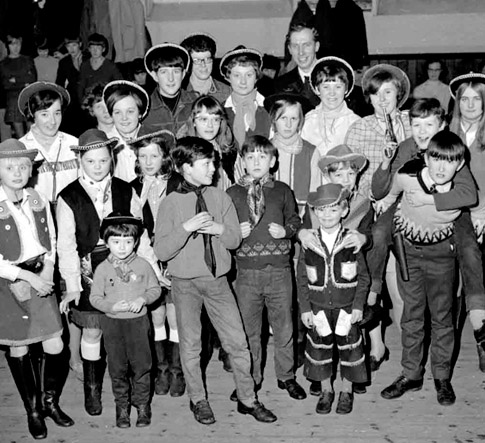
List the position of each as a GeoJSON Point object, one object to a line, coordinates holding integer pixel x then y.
{"type": "Point", "coordinates": [3, 195]}
{"type": "Point", "coordinates": [259, 101]}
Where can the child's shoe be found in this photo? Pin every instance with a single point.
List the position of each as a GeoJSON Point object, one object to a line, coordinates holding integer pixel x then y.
{"type": "Point", "coordinates": [345, 403]}
{"type": "Point", "coordinates": [480, 338]}
{"type": "Point", "coordinates": [144, 416]}
{"type": "Point", "coordinates": [123, 417]}
{"type": "Point", "coordinates": [324, 405]}
{"type": "Point", "coordinates": [445, 394]}
{"type": "Point", "coordinates": [203, 412]}
{"type": "Point", "coordinates": [177, 385]}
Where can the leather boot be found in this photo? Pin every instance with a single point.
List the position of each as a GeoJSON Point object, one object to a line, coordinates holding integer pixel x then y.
{"type": "Point", "coordinates": [93, 385]}
{"type": "Point", "coordinates": [23, 375]}
{"type": "Point", "coordinates": [56, 369]}
{"type": "Point", "coordinates": [480, 339]}
{"type": "Point", "coordinates": [162, 381]}
{"type": "Point", "coordinates": [177, 383]}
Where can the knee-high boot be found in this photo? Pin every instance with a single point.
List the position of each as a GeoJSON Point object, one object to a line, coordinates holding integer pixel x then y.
{"type": "Point", "coordinates": [177, 383]}
{"type": "Point", "coordinates": [93, 385]}
{"type": "Point", "coordinates": [56, 370]}
{"type": "Point", "coordinates": [23, 374]}
{"type": "Point", "coordinates": [162, 381]}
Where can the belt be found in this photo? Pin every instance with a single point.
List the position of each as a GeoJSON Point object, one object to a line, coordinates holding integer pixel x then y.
{"type": "Point", "coordinates": [35, 264]}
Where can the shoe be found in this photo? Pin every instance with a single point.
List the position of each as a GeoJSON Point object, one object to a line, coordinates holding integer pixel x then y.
{"type": "Point", "coordinates": [481, 356]}
{"type": "Point", "coordinates": [316, 388]}
{"type": "Point", "coordinates": [233, 396]}
{"type": "Point", "coordinates": [162, 381]}
{"type": "Point", "coordinates": [293, 388]}
{"type": "Point", "coordinates": [144, 416]}
{"type": "Point", "coordinates": [445, 394]}
{"type": "Point", "coordinates": [177, 385]}
{"type": "Point", "coordinates": [122, 417]}
{"type": "Point", "coordinates": [359, 388]}
{"type": "Point", "coordinates": [375, 364]}
{"type": "Point", "coordinates": [324, 405]}
{"type": "Point", "coordinates": [93, 385]}
{"type": "Point", "coordinates": [22, 371]}
{"type": "Point", "coordinates": [226, 361]}
{"type": "Point", "coordinates": [203, 412]}
{"type": "Point", "coordinates": [56, 369]}
{"type": "Point", "coordinates": [258, 411]}
{"type": "Point", "coordinates": [400, 386]}
{"type": "Point", "coordinates": [345, 403]}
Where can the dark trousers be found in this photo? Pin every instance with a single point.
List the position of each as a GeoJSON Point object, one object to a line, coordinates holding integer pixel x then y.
{"type": "Point", "coordinates": [430, 286]}
{"type": "Point", "coordinates": [127, 344]}
{"type": "Point", "coordinates": [270, 287]}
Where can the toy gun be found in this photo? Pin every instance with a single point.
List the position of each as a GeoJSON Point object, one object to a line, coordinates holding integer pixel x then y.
{"type": "Point", "coordinates": [400, 254]}
{"type": "Point", "coordinates": [390, 134]}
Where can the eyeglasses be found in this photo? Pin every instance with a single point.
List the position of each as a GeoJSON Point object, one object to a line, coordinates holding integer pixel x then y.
{"type": "Point", "coordinates": [205, 120]}
{"type": "Point", "coordinates": [200, 61]}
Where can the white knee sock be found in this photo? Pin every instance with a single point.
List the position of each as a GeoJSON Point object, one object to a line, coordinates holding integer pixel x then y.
{"type": "Point", "coordinates": [90, 351]}
{"type": "Point", "coordinates": [174, 336]}
{"type": "Point", "coordinates": [160, 333]}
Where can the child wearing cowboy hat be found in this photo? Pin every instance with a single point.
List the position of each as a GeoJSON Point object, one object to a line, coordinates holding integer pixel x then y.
{"type": "Point", "coordinates": [332, 289]}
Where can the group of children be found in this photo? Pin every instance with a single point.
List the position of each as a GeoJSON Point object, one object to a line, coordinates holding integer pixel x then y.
{"type": "Point", "coordinates": [221, 217]}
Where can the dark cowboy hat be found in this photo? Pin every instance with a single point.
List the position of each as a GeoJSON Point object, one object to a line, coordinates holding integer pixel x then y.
{"type": "Point", "coordinates": [11, 148]}
{"type": "Point", "coordinates": [94, 139]}
{"type": "Point", "coordinates": [471, 77]}
{"type": "Point", "coordinates": [147, 132]}
{"type": "Point", "coordinates": [342, 153]}
{"type": "Point", "coordinates": [158, 50]}
{"type": "Point", "coordinates": [120, 218]}
{"type": "Point", "coordinates": [240, 50]}
{"type": "Point", "coordinates": [128, 86]}
{"type": "Point", "coordinates": [35, 87]}
{"type": "Point", "coordinates": [269, 102]}
{"type": "Point", "coordinates": [335, 61]}
{"type": "Point", "coordinates": [328, 195]}
{"type": "Point", "coordinates": [397, 72]}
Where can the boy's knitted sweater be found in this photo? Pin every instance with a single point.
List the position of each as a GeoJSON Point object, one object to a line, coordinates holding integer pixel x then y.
{"type": "Point", "coordinates": [108, 288]}
{"type": "Point", "coordinates": [260, 249]}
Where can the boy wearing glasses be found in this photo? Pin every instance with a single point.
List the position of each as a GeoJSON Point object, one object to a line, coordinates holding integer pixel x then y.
{"type": "Point", "coordinates": [168, 64]}
{"type": "Point", "coordinates": [202, 49]}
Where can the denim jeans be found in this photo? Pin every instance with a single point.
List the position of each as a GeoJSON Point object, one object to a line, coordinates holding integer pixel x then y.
{"type": "Point", "coordinates": [127, 344]}
{"type": "Point", "coordinates": [270, 287]}
{"type": "Point", "coordinates": [215, 294]}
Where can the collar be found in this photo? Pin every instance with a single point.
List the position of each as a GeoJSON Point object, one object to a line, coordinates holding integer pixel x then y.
{"type": "Point", "coordinates": [89, 183]}
{"type": "Point", "coordinates": [3, 195]}
{"type": "Point", "coordinates": [259, 101]}
{"type": "Point", "coordinates": [303, 75]}
{"type": "Point", "coordinates": [212, 89]}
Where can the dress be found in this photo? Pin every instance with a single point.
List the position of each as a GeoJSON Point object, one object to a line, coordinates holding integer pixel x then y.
{"type": "Point", "coordinates": [27, 232]}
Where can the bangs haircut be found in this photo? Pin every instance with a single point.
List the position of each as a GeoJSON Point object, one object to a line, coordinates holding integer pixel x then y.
{"type": "Point", "coordinates": [243, 60]}
{"type": "Point", "coordinates": [166, 168]}
{"type": "Point", "coordinates": [123, 230]}
{"type": "Point", "coordinates": [338, 166]}
{"type": "Point", "coordinates": [378, 79]}
{"type": "Point", "coordinates": [446, 145]}
{"type": "Point", "coordinates": [121, 92]}
{"type": "Point", "coordinates": [258, 143]}
{"type": "Point", "coordinates": [331, 73]}
{"type": "Point", "coordinates": [280, 107]}
{"type": "Point", "coordinates": [170, 59]}
{"type": "Point", "coordinates": [426, 107]}
{"type": "Point", "coordinates": [199, 43]}
{"type": "Point", "coordinates": [17, 161]}
{"type": "Point", "coordinates": [93, 95]}
{"type": "Point", "coordinates": [42, 100]}
{"type": "Point", "coordinates": [189, 149]}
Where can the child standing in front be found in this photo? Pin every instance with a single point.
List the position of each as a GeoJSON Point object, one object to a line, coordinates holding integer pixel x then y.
{"type": "Point", "coordinates": [123, 285]}
{"type": "Point", "coordinates": [333, 284]}
{"type": "Point", "coordinates": [198, 228]}
{"type": "Point", "coordinates": [269, 221]}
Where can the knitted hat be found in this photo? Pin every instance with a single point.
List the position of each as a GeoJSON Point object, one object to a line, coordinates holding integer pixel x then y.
{"type": "Point", "coordinates": [94, 139]}
{"type": "Point", "coordinates": [12, 148]}
{"type": "Point", "coordinates": [330, 194]}
{"type": "Point", "coordinates": [336, 62]}
{"type": "Point", "coordinates": [36, 87]}
{"type": "Point", "coordinates": [471, 77]}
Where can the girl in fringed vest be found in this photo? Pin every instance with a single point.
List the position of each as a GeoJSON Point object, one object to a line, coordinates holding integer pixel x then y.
{"type": "Point", "coordinates": [81, 207]}
{"type": "Point", "coordinates": [155, 180]}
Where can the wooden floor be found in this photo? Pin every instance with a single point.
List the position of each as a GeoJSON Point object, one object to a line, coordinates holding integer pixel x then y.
{"type": "Point", "coordinates": [416, 417]}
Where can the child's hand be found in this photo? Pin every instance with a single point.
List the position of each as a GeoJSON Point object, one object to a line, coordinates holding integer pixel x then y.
{"type": "Point", "coordinates": [245, 229]}
{"type": "Point", "coordinates": [417, 197]}
{"type": "Point", "coordinates": [197, 222]}
{"type": "Point", "coordinates": [276, 230]}
{"type": "Point", "coordinates": [372, 298]}
{"type": "Point", "coordinates": [309, 239]}
{"type": "Point", "coordinates": [390, 150]}
{"type": "Point", "coordinates": [213, 228]}
{"type": "Point", "coordinates": [356, 316]}
{"type": "Point", "coordinates": [41, 285]}
{"type": "Point", "coordinates": [136, 305]}
{"type": "Point", "coordinates": [307, 319]}
{"type": "Point", "coordinates": [354, 239]}
{"type": "Point", "coordinates": [121, 306]}
{"type": "Point", "coordinates": [68, 298]}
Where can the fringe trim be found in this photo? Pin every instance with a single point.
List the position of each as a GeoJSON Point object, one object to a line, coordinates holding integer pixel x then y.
{"type": "Point", "coordinates": [61, 166]}
{"type": "Point", "coordinates": [321, 346]}
{"type": "Point", "coordinates": [352, 364]}
{"type": "Point", "coordinates": [318, 362]}
{"type": "Point", "coordinates": [351, 345]}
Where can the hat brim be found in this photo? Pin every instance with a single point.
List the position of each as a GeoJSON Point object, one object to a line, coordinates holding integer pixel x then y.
{"type": "Point", "coordinates": [118, 220]}
{"type": "Point", "coordinates": [472, 77]}
{"type": "Point", "coordinates": [269, 102]}
{"type": "Point", "coordinates": [27, 153]}
{"type": "Point", "coordinates": [358, 159]}
{"type": "Point", "coordinates": [155, 51]}
{"type": "Point", "coordinates": [317, 200]}
{"type": "Point", "coordinates": [397, 72]}
{"type": "Point", "coordinates": [110, 144]}
{"type": "Point", "coordinates": [133, 87]}
{"type": "Point", "coordinates": [164, 133]}
{"type": "Point", "coordinates": [252, 54]}
{"type": "Point", "coordinates": [33, 88]}
{"type": "Point", "coordinates": [335, 61]}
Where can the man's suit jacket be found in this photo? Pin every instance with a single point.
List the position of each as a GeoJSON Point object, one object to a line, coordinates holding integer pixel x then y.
{"type": "Point", "coordinates": [292, 82]}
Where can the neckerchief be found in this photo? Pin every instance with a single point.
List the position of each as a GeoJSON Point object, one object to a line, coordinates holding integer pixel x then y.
{"type": "Point", "coordinates": [122, 267]}
{"type": "Point", "coordinates": [184, 188]}
{"type": "Point", "coordinates": [292, 145]}
{"type": "Point", "coordinates": [244, 113]}
{"type": "Point", "coordinates": [255, 198]}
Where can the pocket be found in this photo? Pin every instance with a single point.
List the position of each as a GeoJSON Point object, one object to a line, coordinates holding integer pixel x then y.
{"type": "Point", "coordinates": [311, 272]}
{"type": "Point", "coordinates": [348, 270]}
